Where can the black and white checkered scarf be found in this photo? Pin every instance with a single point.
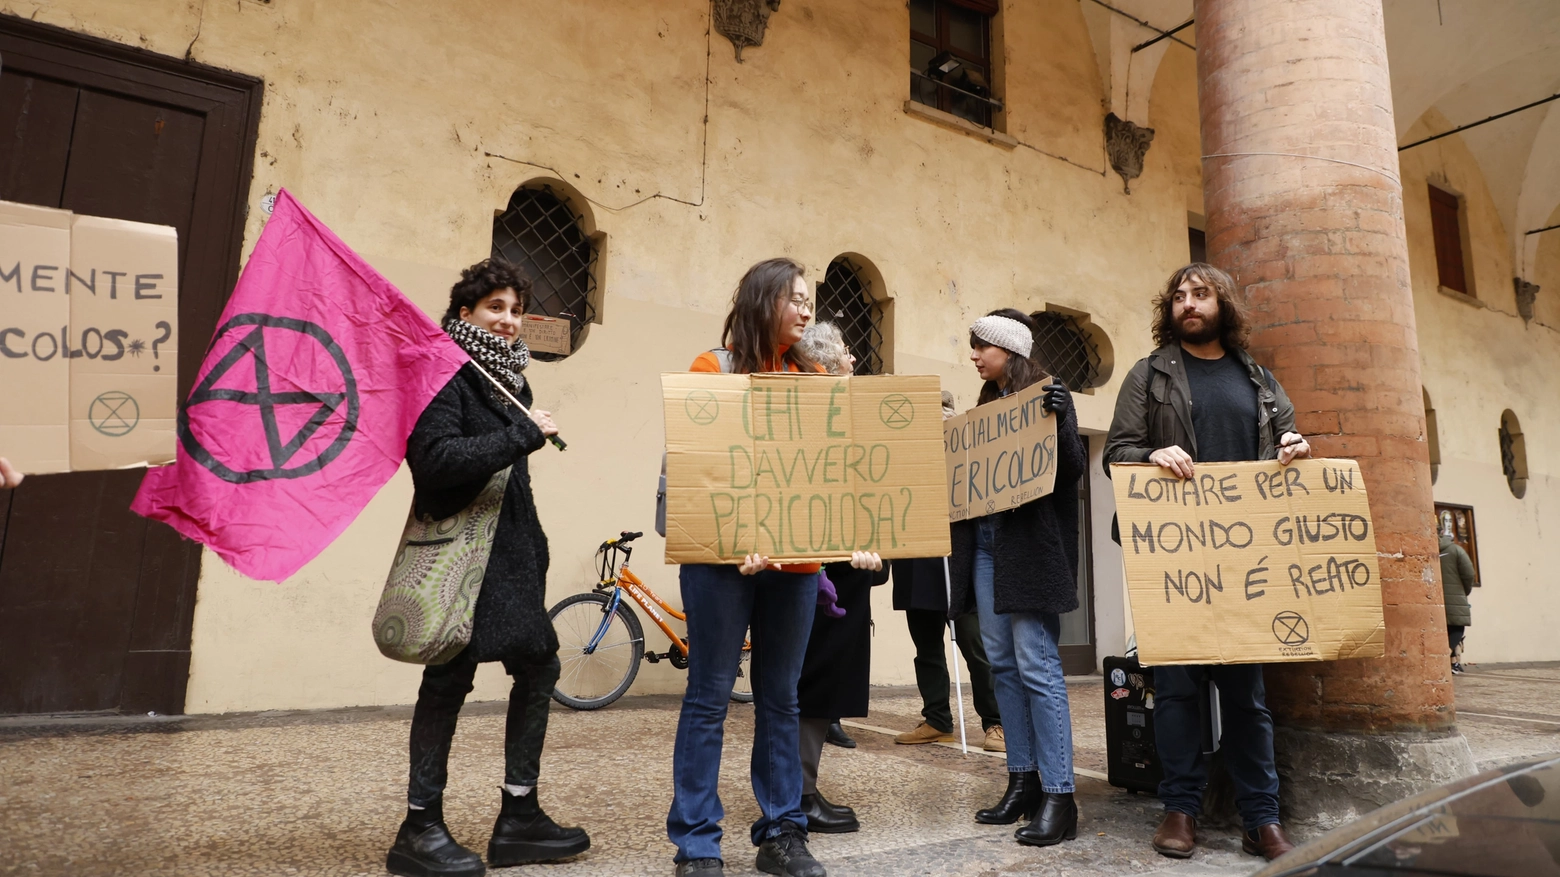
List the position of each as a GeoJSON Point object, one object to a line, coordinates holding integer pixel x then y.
{"type": "Point", "coordinates": [502, 361]}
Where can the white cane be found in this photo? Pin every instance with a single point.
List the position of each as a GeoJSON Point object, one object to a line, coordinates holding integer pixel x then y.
{"type": "Point", "coordinates": [953, 641]}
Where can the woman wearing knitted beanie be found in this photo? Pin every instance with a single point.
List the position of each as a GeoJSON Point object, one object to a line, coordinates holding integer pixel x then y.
{"type": "Point", "coordinates": [1019, 568]}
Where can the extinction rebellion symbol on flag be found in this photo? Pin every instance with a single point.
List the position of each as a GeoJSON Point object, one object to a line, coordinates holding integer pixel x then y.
{"type": "Point", "coordinates": [282, 411]}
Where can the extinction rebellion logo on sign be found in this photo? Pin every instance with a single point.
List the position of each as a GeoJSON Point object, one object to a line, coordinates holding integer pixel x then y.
{"type": "Point", "coordinates": [288, 388]}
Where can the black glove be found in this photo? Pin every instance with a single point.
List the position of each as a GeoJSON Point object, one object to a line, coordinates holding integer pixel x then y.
{"type": "Point", "coordinates": [1057, 398]}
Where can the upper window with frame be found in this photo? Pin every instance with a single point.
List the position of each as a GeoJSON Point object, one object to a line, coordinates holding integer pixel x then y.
{"type": "Point", "coordinates": [950, 57]}
{"type": "Point", "coordinates": [1446, 225]}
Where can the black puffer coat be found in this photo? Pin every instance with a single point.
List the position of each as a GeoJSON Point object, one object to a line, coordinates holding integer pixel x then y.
{"type": "Point", "coordinates": [1037, 543]}
{"type": "Point", "coordinates": [837, 669]}
{"type": "Point", "coordinates": [460, 440]}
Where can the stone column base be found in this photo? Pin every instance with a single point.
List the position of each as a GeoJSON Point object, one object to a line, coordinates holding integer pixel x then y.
{"type": "Point", "coordinates": [1329, 779]}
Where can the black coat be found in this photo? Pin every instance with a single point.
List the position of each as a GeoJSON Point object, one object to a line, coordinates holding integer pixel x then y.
{"type": "Point", "coordinates": [920, 584]}
{"type": "Point", "coordinates": [1037, 543]}
{"type": "Point", "coordinates": [461, 439]}
{"type": "Point", "coordinates": [837, 669]}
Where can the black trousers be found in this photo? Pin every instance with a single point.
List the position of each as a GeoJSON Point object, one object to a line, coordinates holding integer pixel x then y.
{"type": "Point", "coordinates": [444, 689]}
{"type": "Point", "coordinates": [1454, 635]}
{"type": "Point", "coordinates": [928, 627]}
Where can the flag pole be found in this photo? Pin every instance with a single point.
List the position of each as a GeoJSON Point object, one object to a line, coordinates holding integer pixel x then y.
{"type": "Point", "coordinates": [557, 442]}
{"type": "Point", "coordinates": [953, 642]}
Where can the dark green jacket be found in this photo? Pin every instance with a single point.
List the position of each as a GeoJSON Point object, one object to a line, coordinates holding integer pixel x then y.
{"type": "Point", "coordinates": [1457, 579]}
{"type": "Point", "coordinates": [1154, 410]}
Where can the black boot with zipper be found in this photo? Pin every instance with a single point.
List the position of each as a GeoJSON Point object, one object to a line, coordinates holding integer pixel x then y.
{"type": "Point", "coordinates": [424, 848]}
{"type": "Point", "coordinates": [1021, 800]}
{"type": "Point", "coordinates": [523, 833]}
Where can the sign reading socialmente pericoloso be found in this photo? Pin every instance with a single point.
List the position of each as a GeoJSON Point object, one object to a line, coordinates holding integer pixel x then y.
{"type": "Point", "coordinates": [803, 467]}
{"type": "Point", "coordinates": [1250, 562]}
{"type": "Point", "coordinates": [1000, 455]}
{"type": "Point", "coordinates": [88, 340]}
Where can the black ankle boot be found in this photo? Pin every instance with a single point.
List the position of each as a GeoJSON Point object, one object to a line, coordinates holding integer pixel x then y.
{"type": "Point", "coordinates": [523, 833]}
{"type": "Point", "coordinates": [424, 848]}
{"type": "Point", "coordinates": [1021, 799]}
{"type": "Point", "coordinates": [826, 818]}
{"type": "Point", "coordinates": [1058, 821]}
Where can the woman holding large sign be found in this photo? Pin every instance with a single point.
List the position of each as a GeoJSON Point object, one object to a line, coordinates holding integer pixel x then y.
{"type": "Point", "coordinates": [1019, 567]}
{"type": "Point", "coordinates": [769, 313]}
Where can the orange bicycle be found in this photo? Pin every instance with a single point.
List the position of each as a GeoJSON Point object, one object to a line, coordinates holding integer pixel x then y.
{"type": "Point", "coordinates": [600, 640]}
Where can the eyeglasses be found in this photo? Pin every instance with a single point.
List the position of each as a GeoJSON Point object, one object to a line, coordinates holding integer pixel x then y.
{"type": "Point", "coordinates": [802, 304]}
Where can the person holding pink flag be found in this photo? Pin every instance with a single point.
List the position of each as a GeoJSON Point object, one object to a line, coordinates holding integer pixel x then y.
{"type": "Point", "coordinates": [471, 430]}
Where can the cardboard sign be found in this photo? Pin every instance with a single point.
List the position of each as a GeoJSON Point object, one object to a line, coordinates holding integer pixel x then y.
{"type": "Point", "coordinates": [802, 467]}
{"type": "Point", "coordinates": [1000, 455]}
{"type": "Point", "coordinates": [1250, 562]}
{"type": "Point", "coordinates": [88, 351]}
{"type": "Point", "coordinates": [545, 334]}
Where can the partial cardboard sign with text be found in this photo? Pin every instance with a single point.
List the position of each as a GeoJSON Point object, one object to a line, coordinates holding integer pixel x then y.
{"type": "Point", "coordinates": [546, 334]}
{"type": "Point", "coordinates": [88, 340]}
{"type": "Point", "coordinates": [1250, 562]}
{"type": "Point", "coordinates": [802, 467]}
{"type": "Point", "coordinates": [1000, 455]}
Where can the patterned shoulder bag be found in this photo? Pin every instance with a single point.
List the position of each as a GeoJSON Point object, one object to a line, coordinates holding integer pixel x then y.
{"type": "Point", "coordinates": [430, 598]}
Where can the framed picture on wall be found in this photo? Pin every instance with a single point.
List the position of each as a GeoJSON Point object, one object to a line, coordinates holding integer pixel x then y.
{"type": "Point", "coordinates": [1456, 521]}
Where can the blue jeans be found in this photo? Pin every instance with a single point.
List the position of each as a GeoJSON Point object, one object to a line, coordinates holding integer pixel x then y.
{"type": "Point", "coordinates": [722, 604]}
{"type": "Point", "coordinates": [1247, 741]}
{"type": "Point", "coordinates": [1026, 670]}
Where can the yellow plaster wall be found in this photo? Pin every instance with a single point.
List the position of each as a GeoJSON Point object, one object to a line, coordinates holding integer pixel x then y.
{"type": "Point", "coordinates": [1479, 359]}
{"type": "Point", "coordinates": [405, 126]}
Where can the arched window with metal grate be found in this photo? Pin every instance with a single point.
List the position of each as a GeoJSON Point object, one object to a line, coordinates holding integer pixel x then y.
{"type": "Point", "coordinates": [1513, 453]}
{"type": "Point", "coordinates": [846, 298]}
{"type": "Point", "coordinates": [1065, 349]}
{"type": "Point", "coordinates": [542, 234]}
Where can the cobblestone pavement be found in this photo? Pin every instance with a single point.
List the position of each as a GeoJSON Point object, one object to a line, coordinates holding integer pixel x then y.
{"type": "Point", "coordinates": [320, 793]}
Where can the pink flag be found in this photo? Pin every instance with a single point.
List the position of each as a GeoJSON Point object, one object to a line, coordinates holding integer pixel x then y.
{"type": "Point", "coordinates": [317, 373]}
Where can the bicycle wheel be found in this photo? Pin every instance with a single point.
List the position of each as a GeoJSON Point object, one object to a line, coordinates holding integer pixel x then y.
{"type": "Point", "coordinates": [594, 679]}
{"type": "Point", "coordinates": [742, 692]}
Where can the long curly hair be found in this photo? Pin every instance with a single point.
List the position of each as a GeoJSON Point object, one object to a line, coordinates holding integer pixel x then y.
{"type": "Point", "coordinates": [752, 323]}
{"type": "Point", "coordinates": [482, 280]}
{"type": "Point", "coordinates": [1234, 322]}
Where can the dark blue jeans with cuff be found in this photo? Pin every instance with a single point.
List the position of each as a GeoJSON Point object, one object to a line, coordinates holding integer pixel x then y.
{"type": "Point", "coordinates": [1247, 742]}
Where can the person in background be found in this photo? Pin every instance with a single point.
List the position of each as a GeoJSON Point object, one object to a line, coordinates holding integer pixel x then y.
{"type": "Point", "coordinates": [837, 669]}
{"type": "Point", "coordinates": [466, 434]}
{"type": "Point", "coordinates": [1020, 569]}
{"type": "Point", "coordinates": [1457, 581]}
{"type": "Point", "coordinates": [769, 312]}
{"type": "Point", "coordinates": [9, 477]}
{"type": "Point", "coordinates": [1201, 398]}
{"type": "Point", "coordinates": [921, 592]}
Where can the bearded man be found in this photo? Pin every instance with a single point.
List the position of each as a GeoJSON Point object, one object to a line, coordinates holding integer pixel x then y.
{"type": "Point", "coordinates": [1200, 397]}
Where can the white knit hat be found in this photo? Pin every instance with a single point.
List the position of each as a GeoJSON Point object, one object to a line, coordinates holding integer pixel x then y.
{"type": "Point", "coordinates": [1006, 333]}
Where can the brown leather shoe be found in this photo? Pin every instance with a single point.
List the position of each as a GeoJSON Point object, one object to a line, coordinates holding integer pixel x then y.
{"type": "Point", "coordinates": [924, 733]}
{"type": "Point", "coordinates": [1177, 835]}
{"type": "Point", "coordinates": [1268, 841]}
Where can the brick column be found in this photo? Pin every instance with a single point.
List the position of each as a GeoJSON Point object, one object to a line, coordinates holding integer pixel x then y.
{"type": "Point", "coordinates": [1318, 245]}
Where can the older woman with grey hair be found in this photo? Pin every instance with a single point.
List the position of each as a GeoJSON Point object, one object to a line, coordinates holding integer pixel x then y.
{"type": "Point", "coordinates": [837, 666]}
{"type": "Point", "coordinates": [823, 344]}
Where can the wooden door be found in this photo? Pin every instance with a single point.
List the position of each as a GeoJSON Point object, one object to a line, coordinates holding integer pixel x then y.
{"type": "Point", "coordinates": [96, 603]}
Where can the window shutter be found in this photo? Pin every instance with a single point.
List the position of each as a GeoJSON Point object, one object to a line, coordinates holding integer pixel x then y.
{"type": "Point", "coordinates": [1444, 223]}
